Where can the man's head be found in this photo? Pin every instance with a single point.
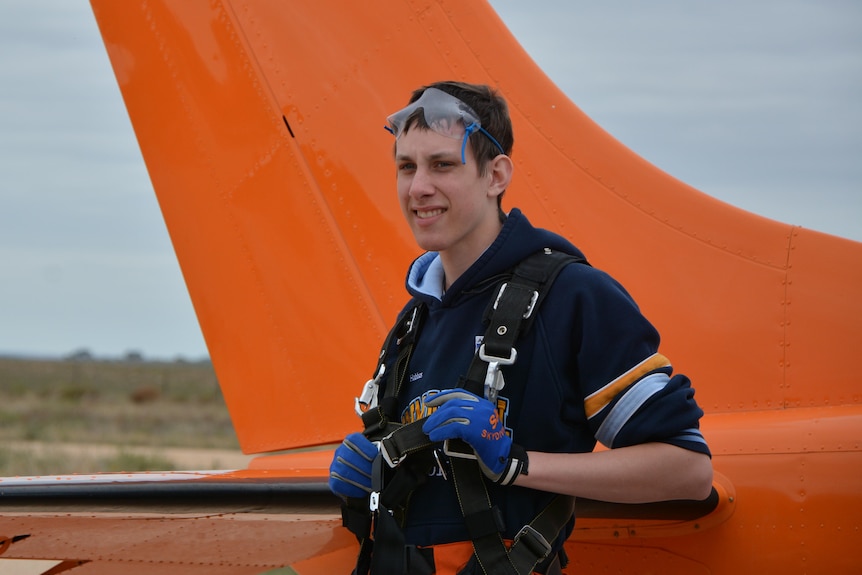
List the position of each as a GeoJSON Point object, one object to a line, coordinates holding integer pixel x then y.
{"type": "Point", "coordinates": [475, 113]}
{"type": "Point", "coordinates": [450, 192]}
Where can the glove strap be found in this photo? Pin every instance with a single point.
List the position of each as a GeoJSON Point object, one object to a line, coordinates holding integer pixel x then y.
{"type": "Point", "coordinates": [518, 464]}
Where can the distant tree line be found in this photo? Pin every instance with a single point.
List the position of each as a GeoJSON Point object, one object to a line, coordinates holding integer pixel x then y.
{"type": "Point", "coordinates": [132, 356]}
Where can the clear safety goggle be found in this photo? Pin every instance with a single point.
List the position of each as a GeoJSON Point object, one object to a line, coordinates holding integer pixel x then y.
{"type": "Point", "coordinates": [446, 115]}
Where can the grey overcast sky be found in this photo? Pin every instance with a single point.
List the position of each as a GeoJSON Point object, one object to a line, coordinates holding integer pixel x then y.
{"type": "Point", "coordinates": [758, 103]}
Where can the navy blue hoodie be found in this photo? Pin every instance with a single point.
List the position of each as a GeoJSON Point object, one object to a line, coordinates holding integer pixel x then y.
{"type": "Point", "coordinates": [588, 369]}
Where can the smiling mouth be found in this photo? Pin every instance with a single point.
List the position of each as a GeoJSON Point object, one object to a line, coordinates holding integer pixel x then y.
{"type": "Point", "coordinates": [423, 214]}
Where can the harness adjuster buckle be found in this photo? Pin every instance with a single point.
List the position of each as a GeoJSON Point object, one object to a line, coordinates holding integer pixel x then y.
{"type": "Point", "coordinates": [498, 360]}
{"type": "Point", "coordinates": [535, 541]}
{"type": "Point", "coordinates": [411, 326]}
{"type": "Point", "coordinates": [391, 461]}
{"type": "Point", "coordinates": [374, 501]}
{"type": "Point", "coordinates": [533, 299]}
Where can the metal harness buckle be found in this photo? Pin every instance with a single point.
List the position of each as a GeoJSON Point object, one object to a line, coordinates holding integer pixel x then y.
{"type": "Point", "coordinates": [384, 451]}
{"type": "Point", "coordinates": [535, 541]}
{"type": "Point", "coordinates": [533, 299]}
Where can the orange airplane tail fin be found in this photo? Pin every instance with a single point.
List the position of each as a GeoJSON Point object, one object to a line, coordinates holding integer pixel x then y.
{"type": "Point", "coordinates": [261, 125]}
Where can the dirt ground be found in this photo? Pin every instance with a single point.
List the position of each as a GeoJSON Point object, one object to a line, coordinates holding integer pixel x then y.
{"type": "Point", "coordinates": [183, 458]}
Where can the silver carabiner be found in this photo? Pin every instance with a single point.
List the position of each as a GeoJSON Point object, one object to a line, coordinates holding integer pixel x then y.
{"type": "Point", "coordinates": [494, 381]}
{"type": "Point", "coordinates": [368, 398]}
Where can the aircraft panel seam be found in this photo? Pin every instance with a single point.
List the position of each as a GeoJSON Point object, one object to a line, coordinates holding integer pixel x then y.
{"type": "Point", "coordinates": [361, 285]}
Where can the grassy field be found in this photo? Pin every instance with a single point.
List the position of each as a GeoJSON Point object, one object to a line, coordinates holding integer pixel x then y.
{"type": "Point", "coordinates": [56, 405]}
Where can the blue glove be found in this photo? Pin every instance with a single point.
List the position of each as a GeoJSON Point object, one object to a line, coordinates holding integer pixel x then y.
{"type": "Point", "coordinates": [463, 415]}
{"type": "Point", "coordinates": [350, 471]}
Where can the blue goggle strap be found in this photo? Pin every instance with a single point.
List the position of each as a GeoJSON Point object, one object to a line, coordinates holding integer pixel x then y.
{"type": "Point", "coordinates": [469, 130]}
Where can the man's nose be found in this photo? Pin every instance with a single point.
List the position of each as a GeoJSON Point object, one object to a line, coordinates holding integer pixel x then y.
{"type": "Point", "coordinates": [421, 183]}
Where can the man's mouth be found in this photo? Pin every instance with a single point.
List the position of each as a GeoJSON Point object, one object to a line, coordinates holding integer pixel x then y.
{"type": "Point", "coordinates": [423, 214]}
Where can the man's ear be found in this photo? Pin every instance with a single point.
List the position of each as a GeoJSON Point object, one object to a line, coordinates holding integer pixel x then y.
{"type": "Point", "coordinates": [500, 171]}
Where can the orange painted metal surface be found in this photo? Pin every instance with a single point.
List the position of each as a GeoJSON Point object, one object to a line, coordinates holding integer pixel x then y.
{"type": "Point", "coordinates": [114, 543]}
{"type": "Point", "coordinates": [261, 124]}
{"type": "Point", "coordinates": [262, 127]}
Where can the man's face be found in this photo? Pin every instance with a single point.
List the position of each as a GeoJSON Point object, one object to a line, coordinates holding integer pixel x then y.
{"type": "Point", "coordinates": [450, 208]}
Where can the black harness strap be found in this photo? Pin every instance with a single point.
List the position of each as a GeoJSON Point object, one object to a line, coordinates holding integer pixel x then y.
{"type": "Point", "coordinates": [511, 312]}
{"type": "Point", "coordinates": [532, 545]}
{"type": "Point", "coordinates": [483, 520]}
{"type": "Point", "coordinates": [389, 543]}
{"type": "Point", "coordinates": [404, 441]}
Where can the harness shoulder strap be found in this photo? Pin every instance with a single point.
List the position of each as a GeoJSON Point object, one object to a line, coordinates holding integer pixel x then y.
{"type": "Point", "coordinates": [512, 311]}
{"type": "Point", "coordinates": [377, 412]}
{"type": "Point", "coordinates": [510, 314]}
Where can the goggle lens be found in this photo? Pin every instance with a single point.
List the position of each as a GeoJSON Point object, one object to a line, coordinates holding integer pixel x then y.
{"type": "Point", "coordinates": [445, 114]}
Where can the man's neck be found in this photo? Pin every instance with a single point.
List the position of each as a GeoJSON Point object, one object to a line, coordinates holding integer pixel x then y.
{"type": "Point", "coordinates": [457, 261]}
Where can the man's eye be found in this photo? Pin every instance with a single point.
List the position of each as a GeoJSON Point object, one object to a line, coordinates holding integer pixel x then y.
{"type": "Point", "coordinates": [406, 167]}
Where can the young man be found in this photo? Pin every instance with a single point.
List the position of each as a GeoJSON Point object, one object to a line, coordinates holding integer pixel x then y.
{"type": "Point", "coordinates": [527, 419]}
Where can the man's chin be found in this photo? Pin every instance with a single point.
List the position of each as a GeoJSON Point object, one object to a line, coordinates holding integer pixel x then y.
{"type": "Point", "coordinates": [428, 243]}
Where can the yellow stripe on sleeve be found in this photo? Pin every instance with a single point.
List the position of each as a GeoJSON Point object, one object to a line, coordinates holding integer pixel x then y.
{"type": "Point", "coordinates": [597, 401]}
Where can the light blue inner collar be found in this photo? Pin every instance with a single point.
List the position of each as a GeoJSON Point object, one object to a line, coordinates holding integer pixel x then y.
{"type": "Point", "coordinates": [427, 276]}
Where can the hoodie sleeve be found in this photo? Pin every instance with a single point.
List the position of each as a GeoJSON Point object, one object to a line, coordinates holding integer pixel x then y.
{"type": "Point", "coordinates": [631, 395]}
